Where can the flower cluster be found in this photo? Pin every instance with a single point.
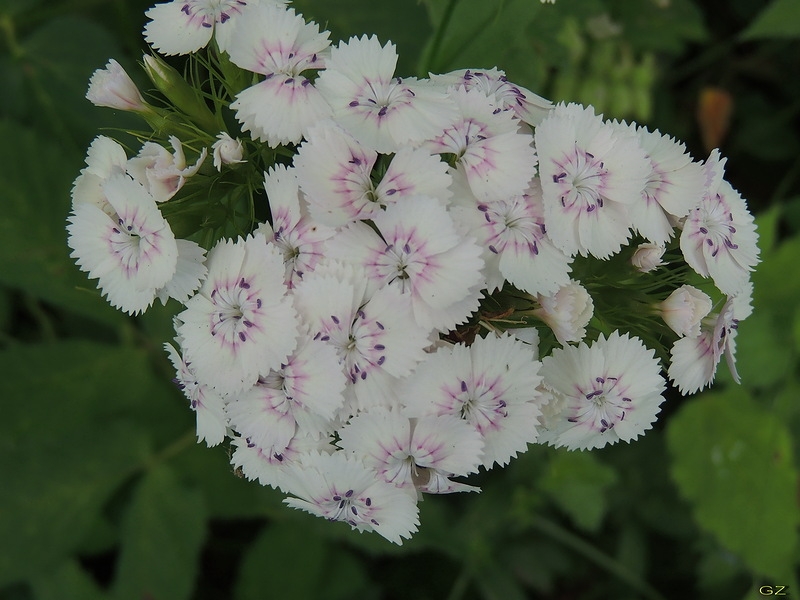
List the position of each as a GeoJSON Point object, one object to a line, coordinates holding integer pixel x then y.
{"type": "Point", "coordinates": [389, 283]}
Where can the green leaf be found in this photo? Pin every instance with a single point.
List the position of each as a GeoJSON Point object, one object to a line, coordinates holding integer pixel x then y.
{"type": "Point", "coordinates": [402, 22]}
{"type": "Point", "coordinates": [67, 582]}
{"type": "Point", "coordinates": [58, 59]}
{"type": "Point", "coordinates": [780, 19]}
{"type": "Point", "coordinates": [33, 237]}
{"type": "Point", "coordinates": [659, 26]}
{"type": "Point", "coordinates": [577, 483]}
{"type": "Point", "coordinates": [162, 534]}
{"type": "Point", "coordinates": [68, 443]}
{"type": "Point", "coordinates": [765, 358]}
{"type": "Point", "coordinates": [733, 462]}
{"type": "Point", "coordinates": [314, 570]}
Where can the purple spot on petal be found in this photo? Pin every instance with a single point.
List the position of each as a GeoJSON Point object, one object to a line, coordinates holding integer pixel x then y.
{"type": "Point", "coordinates": [242, 336]}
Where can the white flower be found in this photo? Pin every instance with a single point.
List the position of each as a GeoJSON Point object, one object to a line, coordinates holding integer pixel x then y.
{"type": "Point", "coordinates": [528, 107]}
{"type": "Point", "coordinates": [185, 26]}
{"type": "Point", "coordinates": [497, 158]}
{"type": "Point", "coordinates": [695, 359]}
{"type": "Point", "coordinates": [103, 158]}
{"type": "Point", "coordinates": [381, 111]}
{"type": "Point", "coordinates": [190, 270]}
{"type": "Point", "coordinates": [338, 487]}
{"type": "Point", "coordinates": [674, 185]}
{"type": "Point", "coordinates": [302, 396]}
{"type": "Point", "coordinates": [684, 309]}
{"type": "Point", "coordinates": [567, 312]}
{"type": "Point", "coordinates": [271, 468]}
{"type": "Point", "coordinates": [604, 393]}
{"type": "Point", "coordinates": [279, 44]}
{"type": "Point", "coordinates": [162, 173]}
{"type": "Point", "coordinates": [719, 236]}
{"type": "Point", "coordinates": [240, 324]}
{"type": "Point", "coordinates": [112, 87]}
{"type": "Point", "coordinates": [420, 252]}
{"type": "Point", "coordinates": [515, 245]}
{"type": "Point", "coordinates": [647, 257]}
{"type": "Point", "coordinates": [490, 384]}
{"type": "Point", "coordinates": [129, 247]}
{"type": "Point", "coordinates": [212, 424]}
{"type": "Point", "coordinates": [374, 334]}
{"type": "Point", "coordinates": [403, 450]}
{"type": "Point", "coordinates": [226, 150]}
{"type": "Point", "coordinates": [591, 172]}
{"type": "Point", "coordinates": [300, 239]}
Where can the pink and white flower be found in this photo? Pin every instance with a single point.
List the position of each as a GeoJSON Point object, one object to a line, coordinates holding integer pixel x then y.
{"type": "Point", "coordinates": [528, 107]}
{"type": "Point", "coordinates": [279, 44]}
{"type": "Point", "coordinates": [241, 324]}
{"type": "Point", "coordinates": [684, 310]}
{"type": "Point", "coordinates": [185, 26]}
{"type": "Point", "coordinates": [496, 157]}
{"type": "Point", "coordinates": [381, 111]}
{"type": "Point", "coordinates": [719, 238]}
{"type": "Point", "coordinates": [490, 384]}
{"type": "Point", "coordinates": [300, 239]}
{"type": "Point", "coordinates": [212, 423]}
{"type": "Point", "coordinates": [591, 173]}
{"type": "Point", "coordinates": [420, 252]}
{"type": "Point", "coordinates": [226, 150]}
{"type": "Point", "coordinates": [603, 393]}
{"type": "Point", "coordinates": [339, 487]}
{"type": "Point", "coordinates": [403, 451]}
{"type": "Point", "coordinates": [127, 245]}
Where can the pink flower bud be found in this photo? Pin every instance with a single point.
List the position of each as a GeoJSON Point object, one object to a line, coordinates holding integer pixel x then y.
{"type": "Point", "coordinates": [684, 309]}
{"type": "Point", "coordinates": [648, 257]}
{"type": "Point", "coordinates": [113, 88]}
{"type": "Point", "coordinates": [226, 150]}
{"type": "Point", "coordinates": [567, 312]}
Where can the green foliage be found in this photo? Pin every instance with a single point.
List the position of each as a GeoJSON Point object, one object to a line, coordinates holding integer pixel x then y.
{"type": "Point", "coordinates": [781, 18]}
{"type": "Point", "coordinates": [733, 461]}
{"type": "Point", "coordinates": [162, 534]}
{"type": "Point", "coordinates": [105, 494]}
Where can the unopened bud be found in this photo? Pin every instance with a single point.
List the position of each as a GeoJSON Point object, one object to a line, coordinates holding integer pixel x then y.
{"type": "Point", "coordinates": [226, 150]}
{"type": "Point", "coordinates": [647, 257]}
{"type": "Point", "coordinates": [177, 90]}
{"type": "Point", "coordinates": [684, 309]}
{"type": "Point", "coordinates": [113, 88]}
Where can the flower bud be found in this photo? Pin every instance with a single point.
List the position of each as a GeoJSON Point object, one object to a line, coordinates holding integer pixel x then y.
{"type": "Point", "coordinates": [113, 88]}
{"type": "Point", "coordinates": [160, 172]}
{"type": "Point", "coordinates": [226, 150]}
{"type": "Point", "coordinates": [684, 309]}
{"type": "Point", "coordinates": [567, 312]}
{"type": "Point", "coordinates": [177, 90]}
{"type": "Point", "coordinates": [647, 257]}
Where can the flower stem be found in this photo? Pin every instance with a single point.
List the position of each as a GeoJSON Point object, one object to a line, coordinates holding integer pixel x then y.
{"type": "Point", "coordinates": [599, 558]}
{"type": "Point", "coordinates": [428, 62]}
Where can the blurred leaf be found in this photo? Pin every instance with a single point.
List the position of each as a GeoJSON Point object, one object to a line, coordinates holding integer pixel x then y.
{"type": "Point", "coordinates": [33, 237]}
{"type": "Point", "coordinates": [12, 7]}
{"type": "Point", "coordinates": [773, 289]}
{"type": "Point", "coordinates": [485, 35]}
{"type": "Point", "coordinates": [767, 224]}
{"type": "Point", "coordinates": [780, 19]}
{"type": "Point", "coordinates": [58, 59]}
{"type": "Point", "coordinates": [577, 483]}
{"type": "Point", "coordinates": [314, 569]}
{"type": "Point", "coordinates": [660, 26]}
{"type": "Point", "coordinates": [67, 582]}
{"type": "Point", "coordinates": [402, 22]}
{"type": "Point", "coordinates": [764, 357]}
{"type": "Point", "coordinates": [227, 495]}
{"type": "Point", "coordinates": [162, 535]}
{"type": "Point", "coordinates": [733, 462]}
{"type": "Point", "coordinates": [496, 582]}
{"type": "Point", "coordinates": [67, 445]}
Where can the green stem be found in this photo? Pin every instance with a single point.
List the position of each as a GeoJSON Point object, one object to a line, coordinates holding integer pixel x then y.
{"type": "Point", "coordinates": [428, 62]}
{"type": "Point", "coordinates": [599, 558]}
{"type": "Point", "coordinates": [460, 584]}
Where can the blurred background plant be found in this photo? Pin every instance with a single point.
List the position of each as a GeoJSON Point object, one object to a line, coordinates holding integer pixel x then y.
{"type": "Point", "coordinates": [104, 493]}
